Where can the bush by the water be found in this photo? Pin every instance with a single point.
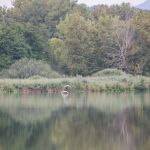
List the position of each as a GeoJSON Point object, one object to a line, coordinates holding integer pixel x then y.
{"type": "Point", "coordinates": [141, 86]}
{"type": "Point", "coordinates": [26, 68]}
{"type": "Point", "coordinates": [109, 72]}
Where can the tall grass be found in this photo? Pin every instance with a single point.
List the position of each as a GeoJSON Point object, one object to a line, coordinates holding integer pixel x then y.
{"type": "Point", "coordinates": [94, 84]}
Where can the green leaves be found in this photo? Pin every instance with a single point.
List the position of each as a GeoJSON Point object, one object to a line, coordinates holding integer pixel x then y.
{"type": "Point", "coordinates": [78, 34]}
{"type": "Point", "coordinates": [18, 41]}
{"type": "Point", "coordinates": [12, 45]}
{"type": "Point", "coordinates": [74, 38]}
{"type": "Point", "coordinates": [41, 12]}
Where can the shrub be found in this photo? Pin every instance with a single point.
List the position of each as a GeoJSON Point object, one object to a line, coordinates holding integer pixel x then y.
{"type": "Point", "coordinates": [26, 68]}
{"type": "Point", "coordinates": [141, 86]}
{"type": "Point", "coordinates": [36, 77]}
{"type": "Point", "coordinates": [109, 72]}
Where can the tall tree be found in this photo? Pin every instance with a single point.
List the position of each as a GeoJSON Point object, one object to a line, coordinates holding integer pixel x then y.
{"type": "Point", "coordinates": [78, 34]}
{"type": "Point", "coordinates": [142, 27]}
{"type": "Point", "coordinates": [124, 11]}
{"type": "Point", "coordinates": [12, 45]}
{"type": "Point", "coordinates": [46, 13]}
{"type": "Point", "coordinates": [116, 39]}
{"type": "Point", "coordinates": [18, 41]}
{"type": "Point", "coordinates": [123, 35]}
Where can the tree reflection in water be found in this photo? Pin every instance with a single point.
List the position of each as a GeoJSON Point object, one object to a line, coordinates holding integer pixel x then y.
{"type": "Point", "coordinates": [84, 128]}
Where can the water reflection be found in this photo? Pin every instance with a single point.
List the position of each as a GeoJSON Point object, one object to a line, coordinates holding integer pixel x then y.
{"type": "Point", "coordinates": [89, 122]}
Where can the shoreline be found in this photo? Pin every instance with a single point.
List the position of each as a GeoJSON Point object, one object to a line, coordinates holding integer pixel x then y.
{"type": "Point", "coordinates": [88, 84]}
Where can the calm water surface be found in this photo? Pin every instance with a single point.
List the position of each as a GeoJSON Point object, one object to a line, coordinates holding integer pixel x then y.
{"type": "Point", "coordinates": [80, 122]}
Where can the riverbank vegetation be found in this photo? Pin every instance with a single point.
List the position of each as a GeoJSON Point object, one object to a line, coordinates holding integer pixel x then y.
{"type": "Point", "coordinates": [45, 44]}
{"type": "Point", "coordinates": [75, 39]}
{"type": "Point", "coordinates": [109, 80]}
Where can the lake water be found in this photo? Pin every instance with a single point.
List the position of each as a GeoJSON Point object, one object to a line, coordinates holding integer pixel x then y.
{"type": "Point", "coordinates": [81, 122]}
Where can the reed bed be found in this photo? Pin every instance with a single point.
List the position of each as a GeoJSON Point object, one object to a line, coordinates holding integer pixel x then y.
{"type": "Point", "coordinates": [93, 84]}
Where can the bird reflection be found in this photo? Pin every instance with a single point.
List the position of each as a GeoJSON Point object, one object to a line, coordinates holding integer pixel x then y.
{"type": "Point", "coordinates": [66, 94]}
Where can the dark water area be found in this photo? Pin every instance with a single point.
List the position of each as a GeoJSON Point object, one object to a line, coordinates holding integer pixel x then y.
{"type": "Point", "coordinates": [79, 122]}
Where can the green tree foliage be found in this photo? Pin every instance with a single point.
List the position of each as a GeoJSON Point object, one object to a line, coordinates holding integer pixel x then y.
{"type": "Point", "coordinates": [142, 27]}
{"type": "Point", "coordinates": [45, 13]}
{"type": "Point", "coordinates": [80, 38]}
{"type": "Point", "coordinates": [122, 40]}
{"type": "Point", "coordinates": [76, 39]}
{"type": "Point", "coordinates": [3, 13]}
{"type": "Point", "coordinates": [12, 45]}
{"type": "Point", "coordinates": [18, 41]}
{"type": "Point", "coordinates": [124, 11]}
{"type": "Point", "coordinates": [58, 54]}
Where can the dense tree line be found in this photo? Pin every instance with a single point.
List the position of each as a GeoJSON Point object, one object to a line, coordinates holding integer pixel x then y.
{"type": "Point", "coordinates": [75, 39]}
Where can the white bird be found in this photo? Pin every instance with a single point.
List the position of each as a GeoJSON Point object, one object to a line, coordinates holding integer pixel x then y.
{"type": "Point", "coordinates": [65, 92]}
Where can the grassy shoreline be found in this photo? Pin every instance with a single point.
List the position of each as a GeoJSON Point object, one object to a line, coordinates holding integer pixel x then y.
{"type": "Point", "coordinates": [91, 84]}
